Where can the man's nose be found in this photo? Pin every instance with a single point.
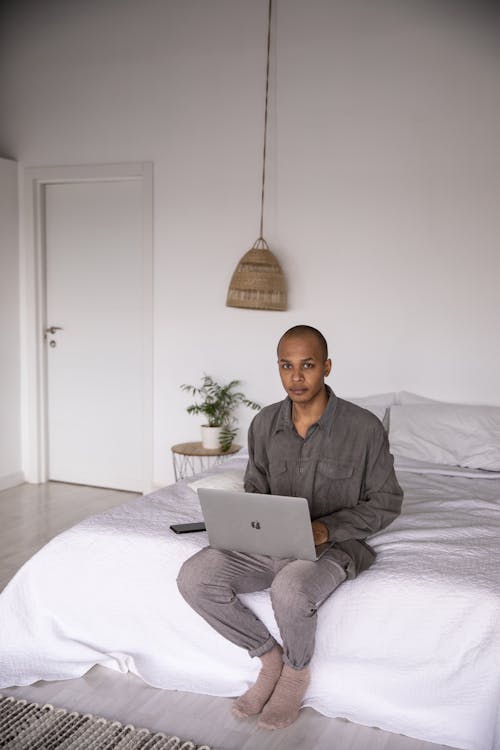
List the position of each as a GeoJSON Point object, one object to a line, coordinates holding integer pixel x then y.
{"type": "Point", "coordinates": [297, 374]}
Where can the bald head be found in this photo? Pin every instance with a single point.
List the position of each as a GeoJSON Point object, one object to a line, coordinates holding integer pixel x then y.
{"type": "Point", "coordinates": [302, 331]}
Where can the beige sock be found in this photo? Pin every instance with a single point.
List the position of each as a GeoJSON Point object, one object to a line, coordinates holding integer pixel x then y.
{"type": "Point", "coordinates": [284, 704]}
{"type": "Point", "coordinates": [252, 702]}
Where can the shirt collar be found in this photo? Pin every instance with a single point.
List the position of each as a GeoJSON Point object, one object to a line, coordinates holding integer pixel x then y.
{"type": "Point", "coordinates": [284, 421]}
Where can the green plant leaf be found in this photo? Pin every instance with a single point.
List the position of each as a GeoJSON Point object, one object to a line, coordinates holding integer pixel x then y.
{"type": "Point", "coordinates": [217, 402]}
{"type": "Point", "coordinates": [226, 437]}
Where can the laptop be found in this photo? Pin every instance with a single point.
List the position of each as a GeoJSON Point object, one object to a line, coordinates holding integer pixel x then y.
{"type": "Point", "coordinates": [273, 525]}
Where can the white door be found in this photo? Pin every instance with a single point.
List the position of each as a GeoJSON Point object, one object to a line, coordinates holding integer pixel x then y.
{"type": "Point", "coordinates": [95, 354]}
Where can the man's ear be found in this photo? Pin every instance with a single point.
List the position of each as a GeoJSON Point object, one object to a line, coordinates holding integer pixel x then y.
{"type": "Point", "coordinates": [328, 367]}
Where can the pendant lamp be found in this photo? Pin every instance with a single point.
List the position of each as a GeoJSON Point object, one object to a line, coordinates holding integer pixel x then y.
{"type": "Point", "coordinates": [258, 282]}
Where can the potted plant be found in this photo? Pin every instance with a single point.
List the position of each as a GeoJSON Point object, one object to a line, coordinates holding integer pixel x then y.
{"type": "Point", "coordinates": [217, 403]}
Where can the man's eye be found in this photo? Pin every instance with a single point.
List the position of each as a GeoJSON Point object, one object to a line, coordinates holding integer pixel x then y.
{"type": "Point", "coordinates": [308, 365]}
{"type": "Point", "coordinates": [285, 365]}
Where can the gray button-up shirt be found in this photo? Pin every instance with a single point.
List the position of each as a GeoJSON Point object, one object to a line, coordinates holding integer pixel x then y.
{"type": "Point", "coordinates": [343, 466]}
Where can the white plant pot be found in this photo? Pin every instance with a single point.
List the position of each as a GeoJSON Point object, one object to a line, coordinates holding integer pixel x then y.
{"type": "Point", "coordinates": [210, 437]}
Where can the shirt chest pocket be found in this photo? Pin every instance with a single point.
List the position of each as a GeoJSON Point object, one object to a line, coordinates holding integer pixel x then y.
{"type": "Point", "coordinates": [335, 482]}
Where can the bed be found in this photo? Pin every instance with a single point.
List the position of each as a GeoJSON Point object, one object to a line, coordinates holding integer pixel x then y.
{"type": "Point", "coordinates": [411, 646]}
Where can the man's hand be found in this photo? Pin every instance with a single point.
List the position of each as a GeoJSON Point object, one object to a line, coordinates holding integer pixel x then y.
{"type": "Point", "coordinates": [320, 532]}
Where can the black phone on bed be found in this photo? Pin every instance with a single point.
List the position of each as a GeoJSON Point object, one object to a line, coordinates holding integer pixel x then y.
{"type": "Point", "coordinates": [185, 528]}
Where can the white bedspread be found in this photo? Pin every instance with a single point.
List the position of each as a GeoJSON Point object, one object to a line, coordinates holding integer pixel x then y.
{"type": "Point", "coordinates": [411, 646]}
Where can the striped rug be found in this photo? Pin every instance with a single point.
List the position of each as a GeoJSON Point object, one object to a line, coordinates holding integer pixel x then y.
{"type": "Point", "coordinates": [29, 726]}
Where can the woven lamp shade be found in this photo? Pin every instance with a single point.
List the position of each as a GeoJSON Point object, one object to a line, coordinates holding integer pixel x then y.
{"type": "Point", "coordinates": [258, 282]}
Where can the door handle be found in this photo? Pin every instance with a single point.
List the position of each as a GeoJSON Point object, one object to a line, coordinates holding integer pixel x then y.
{"type": "Point", "coordinates": [53, 329]}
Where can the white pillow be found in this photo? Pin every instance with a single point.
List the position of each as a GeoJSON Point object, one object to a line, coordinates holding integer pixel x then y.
{"type": "Point", "coordinates": [377, 404]}
{"type": "Point", "coordinates": [377, 399]}
{"type": "Point", "coordinates": [451, 434]}
{"type": "Point", "coordinates": [379, 411]}
{"type": "Point", "coordinates": [227, 480]}
{"type": "Point", "coordinates": [406, 397]}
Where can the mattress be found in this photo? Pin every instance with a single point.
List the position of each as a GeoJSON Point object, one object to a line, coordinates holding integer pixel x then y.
{"type": "Point", "coordinates": [411, 646]}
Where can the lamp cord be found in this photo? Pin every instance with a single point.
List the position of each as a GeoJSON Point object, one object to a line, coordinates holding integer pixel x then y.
{"type": "Point", "coordinates": [261, 234]}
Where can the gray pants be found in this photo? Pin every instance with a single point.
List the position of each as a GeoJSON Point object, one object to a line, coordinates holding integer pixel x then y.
{"type": "Point", "coordinates": [211, 580]}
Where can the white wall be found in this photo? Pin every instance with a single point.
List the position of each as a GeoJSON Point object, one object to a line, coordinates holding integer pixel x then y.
{"type": "Point", "coordinates": [10, 369]}
{"type": "Point", "coordinates": [384, 176]}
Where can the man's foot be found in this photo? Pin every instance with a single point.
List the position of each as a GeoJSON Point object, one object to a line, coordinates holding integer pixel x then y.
{"type": "Point", "coordinates": [253, 701]}
{"type": "Point", "coordinates": [284, 704]}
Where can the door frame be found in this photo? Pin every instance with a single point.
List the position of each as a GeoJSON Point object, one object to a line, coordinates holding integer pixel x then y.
{"type": "Point", "coordinates": [34, 416]}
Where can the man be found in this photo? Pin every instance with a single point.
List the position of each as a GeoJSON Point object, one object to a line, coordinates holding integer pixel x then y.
{"type": "Point", "coordinates": [333, 453]}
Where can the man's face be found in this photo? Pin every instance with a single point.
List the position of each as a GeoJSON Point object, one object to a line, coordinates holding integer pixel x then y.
{"type": "Point", "coordinates": [302, 367]}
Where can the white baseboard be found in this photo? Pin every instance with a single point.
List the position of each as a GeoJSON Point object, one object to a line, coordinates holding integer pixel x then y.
{"type": "Point", "coordinates": [11, 480]}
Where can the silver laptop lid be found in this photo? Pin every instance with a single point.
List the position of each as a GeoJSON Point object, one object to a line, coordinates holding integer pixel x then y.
{"type": "Point", "coordinates": [273, 525]}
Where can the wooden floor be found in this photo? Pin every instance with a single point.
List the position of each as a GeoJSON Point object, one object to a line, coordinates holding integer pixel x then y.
{"type": "Point", "coordinates": [30, 515]}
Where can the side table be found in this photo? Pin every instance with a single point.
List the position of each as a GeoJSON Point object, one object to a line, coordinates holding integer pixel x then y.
{"type": "Point", "coordinates": [193, 458]}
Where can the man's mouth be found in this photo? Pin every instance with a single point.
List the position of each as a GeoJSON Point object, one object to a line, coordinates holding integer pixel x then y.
{"type": "Point", "coordinates": [298, 391]}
